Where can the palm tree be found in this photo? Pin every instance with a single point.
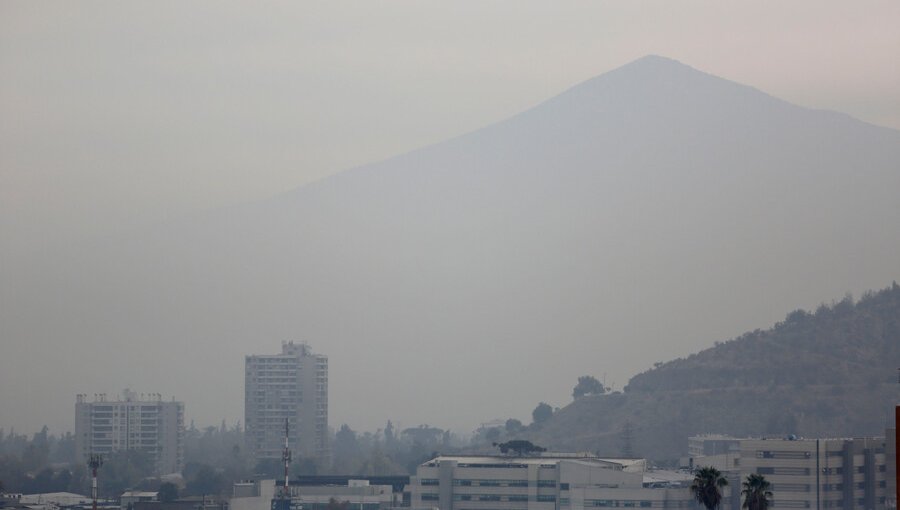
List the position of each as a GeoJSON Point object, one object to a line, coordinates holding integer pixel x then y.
{"type": "Point", "coordinates": [756, 492]}
{"type": "Point", "coordinates": [707, 487]}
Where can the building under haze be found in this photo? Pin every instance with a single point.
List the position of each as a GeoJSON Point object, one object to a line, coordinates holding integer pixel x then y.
{"type": "Point", "coordinates": [549, 481]}
{"type": "Point", "coordinates": [290, 386]}
{"type": "Point", "coordinates": [818, 474]}
{"type": "Point", "coordinates": [850, 474]}
{"type": "Point", "coordinates": [145, 423]}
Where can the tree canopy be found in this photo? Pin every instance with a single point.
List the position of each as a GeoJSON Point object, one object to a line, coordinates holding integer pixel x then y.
{"type": "Point", "coordinates": [519, 447]}
{"type": "Point", "coordinates": [707, 487]}
{"type": "Point", "coordinates": [542, 413]}
{"type": "Point", "coordinates": [587, 385]}
{"type": "Point", "coordinates": [756, 492]}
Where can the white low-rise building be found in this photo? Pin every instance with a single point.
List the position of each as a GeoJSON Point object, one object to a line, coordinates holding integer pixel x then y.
{"type": "Point", "coordinates": [546, 482]}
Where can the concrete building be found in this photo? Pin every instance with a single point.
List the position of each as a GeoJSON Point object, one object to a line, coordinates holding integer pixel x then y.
{"type": "Point", "coordinates": [546, 482]}
{"type": "Point", "coordinates": [145, 423]}
{"type": "Point", "coordinates": [189, 503]}
{"type": "Point", "coordinates": [820, 474]}
{"type": "Point", "coordinates": [55, 499]}
{"type": "Point", "coordinates": [357, 494]}
{"type": "Point", "coordinates": [892, 452]}
{"type": "Point", "coordinates": [290, 386]}
{"type": "Point", "coordinates": [713, 444]}
{"type": "Point", "coordinates": [129, 498]}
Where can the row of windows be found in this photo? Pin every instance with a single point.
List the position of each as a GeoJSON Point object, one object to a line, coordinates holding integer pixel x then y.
{"type": "Point", "coordinates": [516, 466]}
{"type": "Point", "coordinates": [501, 497]}
{"type": "Point", "coordinates": [790, 471]}
{"type": "Point", "coordinates": [786, 454]}
{"type": "Point", "coordinates": [493, 483]}
{"type": "Point", "coordinates": [790, 504]}
{"type": "Point", "coordinates": [627, 503]}
{"type": "Point", "coordinates": [791, 487]}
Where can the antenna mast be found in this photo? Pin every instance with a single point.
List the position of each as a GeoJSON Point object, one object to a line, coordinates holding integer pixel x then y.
{"type": "Point", "coordinates": [286, 457]}
{"type": "Point", "coordinates": [94, 462]}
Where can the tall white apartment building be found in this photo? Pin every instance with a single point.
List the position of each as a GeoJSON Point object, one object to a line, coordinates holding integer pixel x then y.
{"type": "Point", "coordinates": [291, 386]}
{"type": "Point", "coordinates": [145, 423]}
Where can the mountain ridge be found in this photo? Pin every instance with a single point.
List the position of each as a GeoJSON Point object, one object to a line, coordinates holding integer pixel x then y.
{"type": "Point", "coordinates": [709, 391]}
{"type": "Point", "coordinates": [594, 239]}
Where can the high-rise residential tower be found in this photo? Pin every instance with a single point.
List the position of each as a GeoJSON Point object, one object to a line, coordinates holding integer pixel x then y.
{"type": "Point", "coordinates": [290, 386]}
{"type": "Point", "coordinates": [145, 423]}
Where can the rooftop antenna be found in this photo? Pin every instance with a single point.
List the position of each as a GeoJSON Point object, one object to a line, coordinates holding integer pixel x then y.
{"type": "Point", "coordinates": [94, 462]}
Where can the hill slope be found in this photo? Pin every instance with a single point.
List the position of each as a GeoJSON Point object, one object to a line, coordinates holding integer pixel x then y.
{"type": "Point", "coordinates": [831, 373]}
{"type": "Point", "coordinates": [632, 218]}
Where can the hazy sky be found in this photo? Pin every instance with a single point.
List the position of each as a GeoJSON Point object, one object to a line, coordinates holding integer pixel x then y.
{"type": "Point", "coordinates": [115, 114]}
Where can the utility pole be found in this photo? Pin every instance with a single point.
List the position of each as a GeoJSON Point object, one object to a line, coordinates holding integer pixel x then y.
{"type": "Point", "coordinates": [94, 462]}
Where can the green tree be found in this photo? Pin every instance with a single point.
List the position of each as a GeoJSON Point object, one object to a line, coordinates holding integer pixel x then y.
{"type": "Point", "coordinates": [756, 492]}
{"type": "Point", "coordinates": [587, 385]}
{"type": "Point", "coordinates": [513, 425]}
{"type": "Point", "coordinates": [123, 470]}
{"type": "Point", "coordinates": [334, 504]}
{"type": "Point", "coordinates": [168, 491]}
{"type": "Point", "coordinates": [707, 487]}
{"type": "Point", "coordinates": [206, 480]}
{"type": "Point", "coordinates": [542, 413]}
{"type": "Point", "coordinates": [519, 447]}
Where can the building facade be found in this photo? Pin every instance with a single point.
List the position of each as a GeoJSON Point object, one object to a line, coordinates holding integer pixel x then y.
{"type": "Point", "coordinates": [891, 455]}
{"type": "Point", "coordinates": [820, 474]}
{"type": "Point", "coordinates": [145, 423]}
{"type": "Point", "coordinates": [546, 482]}
{"type": "Point", "coordinates": [289, 387]}
{"type": "Point", "coordinates": [356, 494]}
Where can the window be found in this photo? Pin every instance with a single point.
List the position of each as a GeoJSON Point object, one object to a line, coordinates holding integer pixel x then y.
{"type": "Point", "coordinates": [546, 483]}
{"type": "Point", "coordinates": [791, 487]}
{"type": "Point", "coordinates": [790, 504]}
{"type": "Point", "coordinates": [430, 481]}
{"type": "Point", "coordinates": [546, 499]}
{"type": "Point", "coordinates": [782, 454]}
{"type": "Point", "coordinates": [789, 471]}
{"type": "Point", "coordinates": [563, 486]}
{"type": "Point", "coordinates": [646, 504]}
{"type": "Point", "coordinates": [428, 496]}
